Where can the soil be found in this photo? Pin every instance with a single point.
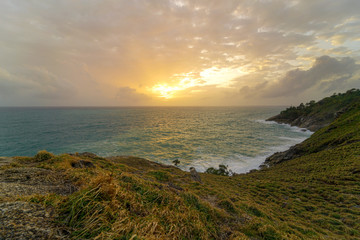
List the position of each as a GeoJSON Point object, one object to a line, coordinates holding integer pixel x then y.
{"type": "Point", "coordinates": [20, 219]}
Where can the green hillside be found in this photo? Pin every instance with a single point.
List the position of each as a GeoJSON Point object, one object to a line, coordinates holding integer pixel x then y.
{"type": "Point", "coordinates": [315, 115]}
{"type": "Point", "coordinates": [314, 195]}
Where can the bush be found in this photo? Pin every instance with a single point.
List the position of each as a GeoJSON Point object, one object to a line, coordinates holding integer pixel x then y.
{"type": "Point", "coordinates": [43, 156]}
{"type": "Point", "coordinates": [222, 171]}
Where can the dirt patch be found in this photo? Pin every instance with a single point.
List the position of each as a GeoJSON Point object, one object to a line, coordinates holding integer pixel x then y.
{"type": "Point", "coordinates": [23, 220]}
{"type": "Point", "coordinates": [5, 160]}
{"type": "Point", "coordinates": [28, 181]}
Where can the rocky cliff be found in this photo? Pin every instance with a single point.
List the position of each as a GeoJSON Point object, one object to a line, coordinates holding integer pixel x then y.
{"type": "Point", "coordinates": [325, 117]}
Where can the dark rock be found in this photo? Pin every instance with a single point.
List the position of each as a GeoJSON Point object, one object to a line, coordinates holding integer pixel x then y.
{"type": "Point", "coordinates": [194, 175]}
{"type": "Point", "coordinates": [172, 185]}
{"type": "Point", "coordinates": [311, 123]}
{"type": "Point", "coordinates": [87, 154]}
{"type": "Point", "coordinates": [82, 164]}
{"type": "Point", "coordinates": [263, 166]}
{"type": "Point", "coordinates": [278, 157]}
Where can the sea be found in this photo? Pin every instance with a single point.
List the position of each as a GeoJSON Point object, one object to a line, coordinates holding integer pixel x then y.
{"type": "Point", "coordinates": [200, 137]}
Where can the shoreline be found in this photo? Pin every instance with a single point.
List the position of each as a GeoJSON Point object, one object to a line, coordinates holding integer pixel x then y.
{"type": "Point", "coordinates": [281, 148]}
{"type": "Point", "coordinates": [250, 163]}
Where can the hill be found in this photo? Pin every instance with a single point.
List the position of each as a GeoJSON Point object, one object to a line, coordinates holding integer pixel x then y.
{"type": "Point", "coordinates": [315, 115]}
{"type": "Point", "coordinates": [315, 194]}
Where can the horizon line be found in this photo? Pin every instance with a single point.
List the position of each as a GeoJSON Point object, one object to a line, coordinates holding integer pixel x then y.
{"type": "Point", "coordinates": [142, 106]}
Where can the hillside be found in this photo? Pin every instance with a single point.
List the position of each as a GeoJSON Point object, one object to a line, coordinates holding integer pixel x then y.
{"type": "Point", "coordinates": [315, 115]}
{"type": "Point", "coordinates": [313, 195]}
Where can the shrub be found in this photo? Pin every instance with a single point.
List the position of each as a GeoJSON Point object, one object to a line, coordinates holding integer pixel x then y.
{"type": "Point", "coordinates": [222, 171]}
{"type": "Point", "coordinates": [43, 156]}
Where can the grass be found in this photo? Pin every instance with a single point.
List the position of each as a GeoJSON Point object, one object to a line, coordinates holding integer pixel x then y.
{"type": "Point", "coordinates": [315, 196]}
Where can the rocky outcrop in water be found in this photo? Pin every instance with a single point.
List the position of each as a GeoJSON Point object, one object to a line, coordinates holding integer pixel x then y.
{"type": "Point", "coordinates": [312, 123]}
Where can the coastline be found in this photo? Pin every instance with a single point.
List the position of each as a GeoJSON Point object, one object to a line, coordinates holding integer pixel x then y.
{"type": "Point", "coordinates": [261, 163]}
{"type": "Point", "coordinates": [144, 192]}
{"type": "Point", "coordinates": [242, 164]}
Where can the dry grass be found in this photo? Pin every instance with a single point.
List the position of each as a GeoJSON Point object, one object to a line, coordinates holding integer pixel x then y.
{"type": "Point", "coordinates": [315, 196]}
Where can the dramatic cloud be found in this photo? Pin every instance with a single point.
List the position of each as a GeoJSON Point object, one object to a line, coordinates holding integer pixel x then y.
{"type": "Point", "coordinates": [34, 83]}
{"type": "Point", "coordinates": [326, 70]}
{"type": "Point", "coordinates": [174, 52]}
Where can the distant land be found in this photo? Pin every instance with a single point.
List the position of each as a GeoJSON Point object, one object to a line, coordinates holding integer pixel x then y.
{"type": "Point", "coordinates": [310, 191]}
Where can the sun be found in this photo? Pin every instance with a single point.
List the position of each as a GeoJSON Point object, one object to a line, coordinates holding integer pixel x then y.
{"type": "Point", "coordinates": [165, 91]}
{"type": "Point", "coordinates": [218, 77]}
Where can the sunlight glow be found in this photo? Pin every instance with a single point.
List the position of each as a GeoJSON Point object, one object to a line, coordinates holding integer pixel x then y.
{"type": "Point", "coordinates": [217, 77]}
{"type": "Point", "coordinates": [165, 91]}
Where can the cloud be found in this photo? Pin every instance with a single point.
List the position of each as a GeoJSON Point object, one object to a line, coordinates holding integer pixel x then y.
{"type": "Point", "coordinates": [326, 70]}
{"type": "Point", "coordinates": [337, 84]}
{"type": "Point", "coordinates": [93, 49]}
{"type": "Point", "coordinates": [37, 83]}
{"type": "Point", "coordinates": [129, 96]}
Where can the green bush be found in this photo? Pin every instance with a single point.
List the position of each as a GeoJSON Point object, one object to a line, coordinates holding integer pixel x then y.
{"type": "Point", "coordinates": [222, 171]}
{"type": "Point", "coordinates": [43, 156]}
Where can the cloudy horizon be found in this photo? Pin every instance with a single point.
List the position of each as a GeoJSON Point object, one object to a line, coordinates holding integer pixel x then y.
{"type": "Point", "coordinates": [177, 52]}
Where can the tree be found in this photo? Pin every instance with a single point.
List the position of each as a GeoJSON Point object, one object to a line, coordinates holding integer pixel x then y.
{"type": "Point", "coordinates": [176, 162]}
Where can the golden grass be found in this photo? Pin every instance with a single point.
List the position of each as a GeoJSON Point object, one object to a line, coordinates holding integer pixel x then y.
{"type": "Point", "coordinates": [315, 196]}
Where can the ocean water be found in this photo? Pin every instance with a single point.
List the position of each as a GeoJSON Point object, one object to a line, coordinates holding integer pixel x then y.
{"type": "Point", "coordinates": [199, 137]}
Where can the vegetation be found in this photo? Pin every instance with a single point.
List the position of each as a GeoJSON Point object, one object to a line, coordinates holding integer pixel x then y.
{"type": "Point", "coordinates": [324, 106]}
{"type": "Point", "coordinates": [176, 162]}
{"type": "Point", "coordinates": [318, 114]}
{"type": "Point", "coordinates": [43, 156]}
{"type": "Point", "coordinates": [313, 196]}
{"type": "Point", "coordinates": [222, 170]}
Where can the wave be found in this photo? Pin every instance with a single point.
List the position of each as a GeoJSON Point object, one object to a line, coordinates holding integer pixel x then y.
{"type": "Point", "coordinates": [239, 163]}
{"type": "Point", "coordinates": [292, 128]}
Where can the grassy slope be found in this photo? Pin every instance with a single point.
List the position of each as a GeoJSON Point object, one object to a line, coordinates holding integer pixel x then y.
{"type": "Point", "coordinates": [316, 196]}
{"type": "Point", "coordinates": [315, 115]}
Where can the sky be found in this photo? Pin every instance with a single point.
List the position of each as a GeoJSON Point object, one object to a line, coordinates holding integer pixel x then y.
{"type": "Point", "coordinates": [177, 52]}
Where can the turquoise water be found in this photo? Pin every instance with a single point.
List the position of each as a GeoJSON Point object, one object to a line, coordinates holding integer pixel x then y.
{"type": "Point", "coordinates": [197, 136]}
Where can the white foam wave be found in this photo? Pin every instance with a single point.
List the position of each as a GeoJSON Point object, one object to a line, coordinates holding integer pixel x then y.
{"type": "Point", "coordinates": [242, 164]}
{"type": "Point", "coordinates": [300, 139]}
{"type": "Point", "coordinates": [238, 163]}
{"type": "Point", "coordinates": [265, 122]}
{"type": "Point", "coordinates": [292, 128]}
{"type": "Point", "coordinates": [297, 129]}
